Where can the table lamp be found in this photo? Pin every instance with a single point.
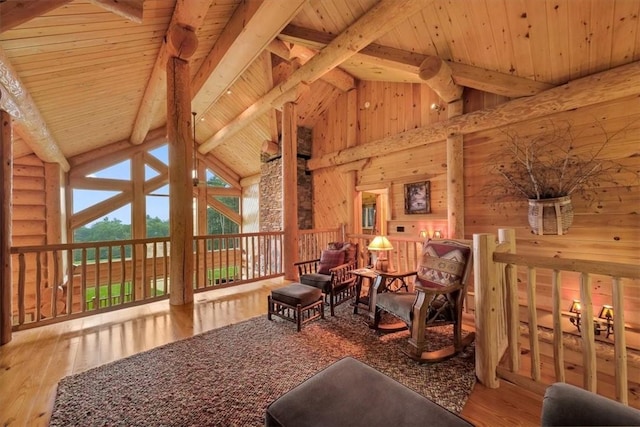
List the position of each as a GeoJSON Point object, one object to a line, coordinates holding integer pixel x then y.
{"type": "Point", "coordinates": [381, 244]}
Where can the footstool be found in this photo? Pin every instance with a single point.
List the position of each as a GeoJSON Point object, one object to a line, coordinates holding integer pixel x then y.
{"type": "Point", "coordinates": [296, 303]}
{"type": "Point", "coordinates": [351, 393]}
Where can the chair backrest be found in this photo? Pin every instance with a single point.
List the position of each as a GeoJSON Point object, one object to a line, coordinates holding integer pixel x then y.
{"type": "Point", "coordinates": [350, 250]}
{"type": "Point", "coordinates": [444, 263]}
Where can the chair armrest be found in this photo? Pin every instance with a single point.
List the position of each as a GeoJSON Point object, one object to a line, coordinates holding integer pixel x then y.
{"type": "Point", "coordinates": [307, 267]}
{"type": "Point", "coordinates": [441, 290]}
{"type": "Point", "coordinates": [340, 274]}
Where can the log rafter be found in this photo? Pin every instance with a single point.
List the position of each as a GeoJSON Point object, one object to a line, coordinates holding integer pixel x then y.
{"type": "Point", "coordinates": [16, 100]}
{"type": "Point", "coordinates": [378, 20]}
{"type": "Point", "coordinates": [252, 27]}
{"type": "Point", "coordinates": [185, 15]}
{"type": "Point", "coordinates": [15, 13]}
{"type": "Point", "coordinates": [410, 62]}
{"type": "Point", "coordinates": [606, 86]}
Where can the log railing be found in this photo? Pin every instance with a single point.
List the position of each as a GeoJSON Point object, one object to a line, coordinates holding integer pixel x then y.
{"type": "Point", "coordinates": [312, 242]}
{"type": "Point", "coordinates": [499, 321]}
{"type": "Point", "coordinates": [52, 283]}
{"type": "Point", "coordinates": [404, 256]}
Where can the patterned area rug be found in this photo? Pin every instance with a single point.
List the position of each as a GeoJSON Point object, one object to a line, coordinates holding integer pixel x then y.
{"type": "Point", "coordinates": [228, 376]}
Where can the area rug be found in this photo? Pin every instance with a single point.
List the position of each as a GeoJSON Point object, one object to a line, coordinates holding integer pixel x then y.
{"type": "Point", "coordinates": [228, 376]}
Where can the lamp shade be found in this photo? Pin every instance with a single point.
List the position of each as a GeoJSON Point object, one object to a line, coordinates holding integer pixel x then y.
{"type": "Point", "coordinates": [575, 306]}
{"type": "Point", "coordinates": [380, 243]}
{"type": "Point", "coordinates": [606, 312]}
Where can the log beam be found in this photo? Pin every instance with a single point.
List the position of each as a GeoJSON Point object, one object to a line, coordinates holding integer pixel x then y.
{"type": "Point", "coordinates": [6, 188]}
{"type": "Point", "coordinates": [179, 122]}
{"type": "Point", "coordinates": [186, 15]}
{"type": "Point", "coordinates": [128, 9]}
{"type": "Point", "coordinates": [377, 21]}
{"type": "Point", "coordinates": [290, 189]}
{"type": "Point", "coordinates": [601, 87]}
{"type": "Point", "coordinates": [438, 75]}
{"type": "Point", "coordinates": [16, 100]}
{"type": "Point", "coordinates": [15, 13]}
{"type": "Point", "coordinates": [409, 63]}
{"type": "Point", "coordinates": [253, 25]}
{"type": "Point", "coordinates": [336, 77]}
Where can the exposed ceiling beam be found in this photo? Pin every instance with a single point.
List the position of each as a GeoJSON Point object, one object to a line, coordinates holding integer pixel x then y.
{"type": "Point", "coordinates": [383, 16]}
{"type": "Point", "coordinates": [336, 77]}
{"type": "Point", "coordinates": [186, 14]}
{"type": "Point", "coordinates": [606, 86]}
{"type": "Point", "coordinates": [129, 9]}
{"type": "Point", "coordinates": [14, 13]}
{"type": "Point", "coordinates": [253, 25]}
{"type": "Point", "coordinates": [438, 75]}
{"type": "Point", "coordinates": [409, 62]}
{"type": "Point", "coordinates": [16, 100]}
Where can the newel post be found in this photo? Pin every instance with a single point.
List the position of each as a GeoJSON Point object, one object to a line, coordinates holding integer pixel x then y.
{"type": "Point", "coordinates": [486, 288]}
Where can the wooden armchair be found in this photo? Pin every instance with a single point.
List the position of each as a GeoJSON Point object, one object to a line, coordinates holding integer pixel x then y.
{"type": "Point", "coordinates": [440, 288]}
{"type": "Point", "coordinates": [330, 273]}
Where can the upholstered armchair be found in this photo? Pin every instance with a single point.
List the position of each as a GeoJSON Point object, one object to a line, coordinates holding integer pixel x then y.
{"type": "Point", "coordinates": [330, 273]}
{"type": "Point", "coordinates": [440, 287]}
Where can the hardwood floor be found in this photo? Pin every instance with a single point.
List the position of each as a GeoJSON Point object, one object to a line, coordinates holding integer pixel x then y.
{"type": "Point", "coordinates": [35, 360]}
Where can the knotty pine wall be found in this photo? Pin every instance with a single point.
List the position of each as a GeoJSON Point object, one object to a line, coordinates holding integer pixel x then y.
{"type": "Point", "coordinates": [606, 229]}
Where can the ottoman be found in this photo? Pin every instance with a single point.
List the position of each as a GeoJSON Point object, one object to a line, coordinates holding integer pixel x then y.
{"type": "Point", "coordinates": [296, 303]}
{"type": "Point", "coordinates": [351, 393]}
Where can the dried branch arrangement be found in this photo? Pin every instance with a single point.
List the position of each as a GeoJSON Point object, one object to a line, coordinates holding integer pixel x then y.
{"type": "Point", "coordinates": [548, 165]}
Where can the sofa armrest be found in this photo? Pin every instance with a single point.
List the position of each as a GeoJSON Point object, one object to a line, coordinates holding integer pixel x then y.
{"type": "Point", "coordinates": [565, 405]}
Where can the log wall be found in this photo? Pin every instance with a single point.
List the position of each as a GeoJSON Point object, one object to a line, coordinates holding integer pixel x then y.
{"type": "Point", "coordinates": [606, 228]}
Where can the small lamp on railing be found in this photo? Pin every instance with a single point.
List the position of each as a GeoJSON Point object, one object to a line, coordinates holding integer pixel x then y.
{"type": "Point", "coordinates": [575, 308]}
{"type": "Point", "coordinates": [607, 313]}
{"type": "Point", "coordinates": [382, 245]}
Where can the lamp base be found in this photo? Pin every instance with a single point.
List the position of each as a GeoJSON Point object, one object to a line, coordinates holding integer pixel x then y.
{"type": "Point", "coordinates": [382, 265]}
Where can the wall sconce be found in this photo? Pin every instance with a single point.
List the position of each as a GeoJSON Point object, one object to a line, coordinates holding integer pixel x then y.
{"type": "Point", "coordinates": [437, 234]}
{"type": "Point", "coordinates": [575, 308]}
{"type": "Point", "coordinates": [436, 107]}
{"type": "Point", "coordinates": [424, 234]}
{"type": "Point", "coordinates": [606, 313]}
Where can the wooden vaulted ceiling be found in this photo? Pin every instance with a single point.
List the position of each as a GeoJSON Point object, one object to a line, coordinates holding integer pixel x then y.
{"type": "Point", "coordinates": [84, 74]}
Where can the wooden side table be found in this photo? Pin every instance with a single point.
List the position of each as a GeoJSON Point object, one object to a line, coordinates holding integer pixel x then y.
{"type": "Point", "coordinates": [393, 281]}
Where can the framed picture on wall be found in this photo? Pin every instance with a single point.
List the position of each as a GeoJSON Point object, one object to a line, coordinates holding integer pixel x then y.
{"type": "Point", "coordinates": [416, 198]}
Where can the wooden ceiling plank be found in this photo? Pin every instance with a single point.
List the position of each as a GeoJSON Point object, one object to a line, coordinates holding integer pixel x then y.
{"type": "Point", "coordinates": [14, 13]}
{"type": "Point", "coordinates": [182, 12]}
{"type": "Point", "coordinates": [606, 86]}
{"type": "Point", "coordinates": [465, 75]}
{"type": "Point", "coordinates": [17, 101]}
{"type": "Point", "coordinates": [378, 20]}
{"type": "Point", "coordinates": [252, 27]}
{"type": "Point", "coordinates": [129, 9]}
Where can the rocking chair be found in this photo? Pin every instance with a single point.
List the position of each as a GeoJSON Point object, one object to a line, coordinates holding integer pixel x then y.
{"type": "Point", "coordinates": [440, 288]}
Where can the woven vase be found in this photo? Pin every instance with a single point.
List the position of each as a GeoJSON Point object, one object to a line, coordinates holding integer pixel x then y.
{"type": "Point", "coordinates": [550, 216]}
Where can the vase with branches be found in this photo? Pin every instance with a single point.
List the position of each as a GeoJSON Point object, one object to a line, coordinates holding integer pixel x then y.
{"type": "Point", "coordinates": [548, 166]}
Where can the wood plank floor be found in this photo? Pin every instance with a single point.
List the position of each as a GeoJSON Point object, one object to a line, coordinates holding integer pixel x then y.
{"type": "Point", "coordinates": [35, 360]}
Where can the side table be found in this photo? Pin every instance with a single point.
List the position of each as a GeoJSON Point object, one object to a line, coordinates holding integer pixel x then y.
{"type": "Point", "coordinates": [391, 281]}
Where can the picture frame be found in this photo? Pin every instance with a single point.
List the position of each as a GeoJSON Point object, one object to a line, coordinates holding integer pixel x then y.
{"type": "Point", "coordinates": [417, 198]}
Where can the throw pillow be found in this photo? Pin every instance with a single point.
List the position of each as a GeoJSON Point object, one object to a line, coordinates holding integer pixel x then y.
{"type": "Point", "coordinates": [329, 259]}
{"type": "Point", "coordinates": [442, 264]}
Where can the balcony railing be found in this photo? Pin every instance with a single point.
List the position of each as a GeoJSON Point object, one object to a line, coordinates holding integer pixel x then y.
{"type": "Point", "coordinates": [505, 319]}
{"type": "Point", "coordinates": [53, 283]}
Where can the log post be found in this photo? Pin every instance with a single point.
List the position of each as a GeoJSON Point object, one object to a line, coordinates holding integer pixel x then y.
{"type": "Point", "coordinates": [455, 177]}
{"type": "Point", "coordinates": [6, 185]}
{"type": "Point", "coordinates": [486, 304]}
{"type": "Point", "coordinates": [180, 169]}
{"type": "Point", "coordinates": [290, 189]}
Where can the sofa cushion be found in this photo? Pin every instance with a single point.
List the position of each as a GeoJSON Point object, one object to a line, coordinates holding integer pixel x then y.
{"type": "Point", "coordinates": [350, 393]}
{"type": "Point", "coordinates": [329, 259]}
{"type": "Point", "coordinates": [441, 264]}
{"type": "Point", "coordinates": [568, 405]}
{"type": "Point", "coordinates": [320, 281]}
{"type": "Point", "coordinates": [297, 293]}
